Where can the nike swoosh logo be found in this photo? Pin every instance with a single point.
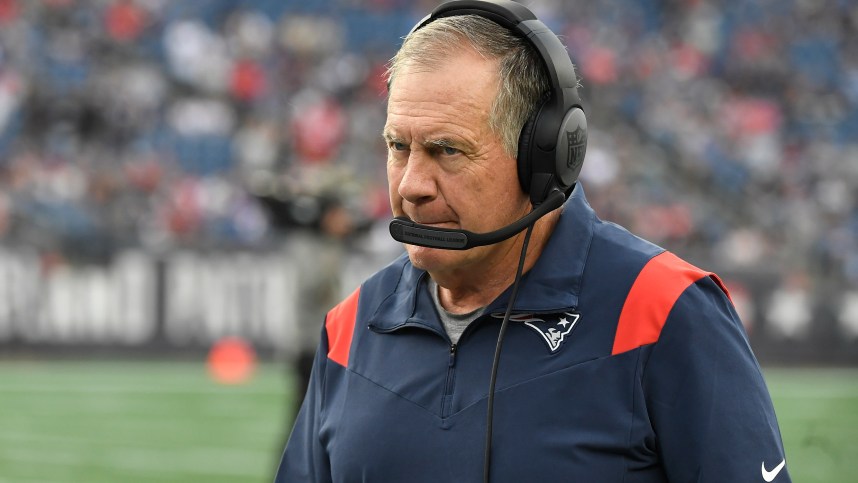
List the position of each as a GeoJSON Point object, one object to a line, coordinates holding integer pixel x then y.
{"type": "Point", "coordinates": [770, 475]}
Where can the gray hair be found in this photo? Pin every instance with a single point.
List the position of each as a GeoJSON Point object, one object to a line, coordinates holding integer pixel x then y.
{"type": "Point", "coordinates": [523, 81]}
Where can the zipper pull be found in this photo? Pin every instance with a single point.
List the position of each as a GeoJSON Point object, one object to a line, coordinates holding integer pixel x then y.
{"type": "Point", "coordinates": [452, 355]}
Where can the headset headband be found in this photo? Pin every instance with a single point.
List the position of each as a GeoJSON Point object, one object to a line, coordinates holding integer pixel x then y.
{"type": "Point", "coordinates": [523, 23]}
{"type": "Point", "coordinates": [553, 142]}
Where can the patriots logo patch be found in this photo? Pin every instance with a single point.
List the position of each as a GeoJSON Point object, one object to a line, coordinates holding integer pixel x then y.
{"type": "Point", "coordinates": [554, 328]}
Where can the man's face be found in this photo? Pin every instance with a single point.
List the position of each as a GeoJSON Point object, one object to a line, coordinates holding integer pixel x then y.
{"type": "Point", "coordinates": [445, 168]}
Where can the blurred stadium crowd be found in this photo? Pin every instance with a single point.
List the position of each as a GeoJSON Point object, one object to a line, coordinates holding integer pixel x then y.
{"type": "Point", "coordinates": [725, 130]}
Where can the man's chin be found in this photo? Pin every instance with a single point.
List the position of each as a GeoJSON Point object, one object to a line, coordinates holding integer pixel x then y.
{"type": "Point", "coordinates": [432, 259]}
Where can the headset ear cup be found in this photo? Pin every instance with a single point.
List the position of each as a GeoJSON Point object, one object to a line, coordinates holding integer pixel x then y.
{"type": "Point", "coordinates": [525, 139]}
{"type": "Point", "coordinates": [571, 148]}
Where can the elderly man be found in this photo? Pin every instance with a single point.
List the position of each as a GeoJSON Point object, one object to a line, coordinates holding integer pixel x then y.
{"type": "Point", "coordinates": [620, 361]}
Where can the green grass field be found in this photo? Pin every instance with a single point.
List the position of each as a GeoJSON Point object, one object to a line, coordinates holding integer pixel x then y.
{"type": "Point", "coordinates": [168, 422]}
{"type": "Point", "coordinates": [818, 414]}
{"type": "Point", "coordinates": [132, 422]}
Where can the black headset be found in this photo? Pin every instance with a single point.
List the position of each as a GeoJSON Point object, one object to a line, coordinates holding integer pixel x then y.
{"type": "Point", "coordinates": [553, 142]}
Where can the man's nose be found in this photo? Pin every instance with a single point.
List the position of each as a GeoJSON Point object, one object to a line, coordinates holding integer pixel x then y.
{"type": "Point", "coordinates": [419, 182]}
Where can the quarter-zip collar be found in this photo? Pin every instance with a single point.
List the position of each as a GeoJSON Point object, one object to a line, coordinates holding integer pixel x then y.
{"type": "Point", "coordinates": [552, 285]}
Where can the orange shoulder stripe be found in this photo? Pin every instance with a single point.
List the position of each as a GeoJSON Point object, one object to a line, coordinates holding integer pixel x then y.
{"type": "Point", "coordinates": [651, 298]}
{"type": "Point", "coordinates": [340, 325]}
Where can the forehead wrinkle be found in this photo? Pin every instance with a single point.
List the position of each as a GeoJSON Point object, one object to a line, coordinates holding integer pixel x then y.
{"type": "Point", "coordinates": [421, 96]}
{"type": "Point", "coordinates": [438, 136]}
{"type": "Point", "coordinates": [435, 118]}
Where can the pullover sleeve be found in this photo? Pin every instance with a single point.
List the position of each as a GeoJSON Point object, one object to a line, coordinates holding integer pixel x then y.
{"type": "Point", "coordinates": [706, 397]}
{"type": "Point", "coordinates": [304, 459]}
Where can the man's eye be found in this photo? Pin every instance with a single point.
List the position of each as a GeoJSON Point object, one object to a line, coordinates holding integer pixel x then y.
{"type": "Point", "coordinates": [450, 151]}
{"type": "Point", "coordinates": [397, 146]}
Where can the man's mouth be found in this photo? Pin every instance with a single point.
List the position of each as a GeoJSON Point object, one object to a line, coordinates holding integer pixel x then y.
{"type": "Point", "coordinates": [436, 224]}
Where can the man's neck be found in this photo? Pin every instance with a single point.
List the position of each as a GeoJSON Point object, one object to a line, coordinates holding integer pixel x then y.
{"type": "Point", "coordinates": [470, 288]}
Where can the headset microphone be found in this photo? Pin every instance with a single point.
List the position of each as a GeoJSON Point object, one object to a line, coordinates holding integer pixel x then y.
{"type": "Point", "coordinates": [404, 230]}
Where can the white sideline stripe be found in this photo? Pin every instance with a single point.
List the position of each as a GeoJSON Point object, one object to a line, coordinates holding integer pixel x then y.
{"type": "Point", "coordinates": [830, 392]}
{"type": "Point", "coordinates": [827, 396]}
{"type": "Point", "coordinates": [202, 461]}
{"type": "Point", "coordinates": [137, 389]}
{"type": "Point", "coordinates": [66, 440]}
{"type": "Point", "coordinates": [28, 479]}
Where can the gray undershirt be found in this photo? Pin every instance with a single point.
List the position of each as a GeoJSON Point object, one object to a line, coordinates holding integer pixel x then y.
{"type": "Point", "coordinates": [454, 324]}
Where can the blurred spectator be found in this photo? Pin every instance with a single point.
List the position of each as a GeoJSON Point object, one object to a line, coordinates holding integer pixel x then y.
{"type": "Point", "coordinates": [320, 255]}
{"type": "Point", "coordinates": [789, 312]}
{"type": "Point", "coordinates": [849, 315]}
{"type": "Point", "coordinates": [124, 21]}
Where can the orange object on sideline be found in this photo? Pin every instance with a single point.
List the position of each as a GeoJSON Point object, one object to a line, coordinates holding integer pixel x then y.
{"type": "Point", "coordinates": [231, 360]}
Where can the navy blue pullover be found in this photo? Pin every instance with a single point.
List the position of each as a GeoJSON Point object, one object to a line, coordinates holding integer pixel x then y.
{"type": "Point", "coordinates": [623, 363]}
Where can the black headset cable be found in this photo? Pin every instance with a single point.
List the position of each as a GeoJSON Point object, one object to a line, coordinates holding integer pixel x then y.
{"type": "Point", "coordinates": [487, 458]}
